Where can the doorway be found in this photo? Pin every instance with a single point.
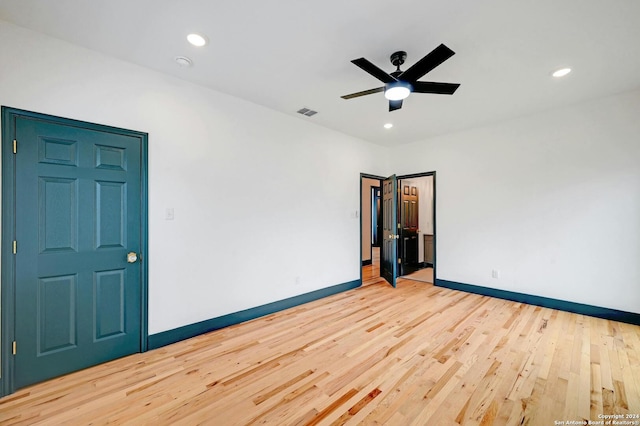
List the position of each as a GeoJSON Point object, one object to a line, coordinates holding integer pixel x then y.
{"type": "Point", "coordinates": [74, 234]}
{"type": "Point", "coordinates": [413, 229]}
{"type": "Point", "coordinates": [416, 242]}
{"type": "Point", "coordinates": [371, 228]}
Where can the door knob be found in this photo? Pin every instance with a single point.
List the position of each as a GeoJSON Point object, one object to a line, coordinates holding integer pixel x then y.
{"type": "Point", "coordinates": [132, 257]}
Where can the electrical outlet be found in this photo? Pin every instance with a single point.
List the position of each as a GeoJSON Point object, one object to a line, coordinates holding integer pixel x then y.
{"type": "Point", "coordinates": [168, 213]}
{"type": "Point", "coordinates": [495, 273]}
{"type": "Point", "coordinates": [297, 280]}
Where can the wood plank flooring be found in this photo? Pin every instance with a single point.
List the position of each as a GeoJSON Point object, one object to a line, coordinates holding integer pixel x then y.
{"type": "Point", "coordinates": [371, 272]}
{"type": "Point", "coordinates": [415, 355]}
{"type": "Point", "coordinates": [425, 275]}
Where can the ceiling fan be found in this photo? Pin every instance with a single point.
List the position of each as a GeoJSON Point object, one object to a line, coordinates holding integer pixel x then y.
{"type": "Point", "coordinates": [399, 84]}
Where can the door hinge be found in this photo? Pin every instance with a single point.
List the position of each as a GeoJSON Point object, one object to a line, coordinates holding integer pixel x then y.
{"type": "Point", "coordinates": [14, 347]}
{"type": "Point", "coordinates": [15, 146]}
{"type": "Point", "coordinates": [15, 246]}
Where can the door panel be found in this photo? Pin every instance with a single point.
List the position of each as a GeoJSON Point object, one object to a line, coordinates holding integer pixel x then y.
{"type": "Point", "coordinates": [389, 256]}
{"type": "Point", "coordinates": [110, 304]}
{"type": "Point", "coordinates": [57, 326]}
{"type": "Point", "coordinates": [58, 219]}
{"type": "Point", "coordinates": [78, 212]}
{"type": "Point", "coordinates": [111, 215]}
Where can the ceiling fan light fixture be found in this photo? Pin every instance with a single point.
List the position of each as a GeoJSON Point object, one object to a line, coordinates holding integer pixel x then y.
{"type": "Point", "coordinates": [397, 91]}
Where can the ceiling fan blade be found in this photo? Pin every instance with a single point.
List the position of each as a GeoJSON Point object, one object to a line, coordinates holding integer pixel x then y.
{"type": "Point", "coordinates": [426, 64]}
{"type": "Point", "coordinates": [394, 105]}
{"type": "Point", "coordinates": [374, 70]}
{"type": "Point", "coordinates": [363, 93]}
{"type": "Point", "coordinates": [432, 87]}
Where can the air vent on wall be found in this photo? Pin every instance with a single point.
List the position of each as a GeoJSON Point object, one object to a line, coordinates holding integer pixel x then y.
{"type": "Point", "coordinates": [306, 111]}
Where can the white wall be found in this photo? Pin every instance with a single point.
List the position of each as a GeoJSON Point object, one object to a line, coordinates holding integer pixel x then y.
{"type": "Point", "coordinates": [551, 200]}
{"type": "Point", "coordinates": [260, 197]}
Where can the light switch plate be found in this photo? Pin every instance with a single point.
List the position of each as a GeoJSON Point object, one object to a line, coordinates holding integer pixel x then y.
{"type": "Point", "coordinates": [168, 213]}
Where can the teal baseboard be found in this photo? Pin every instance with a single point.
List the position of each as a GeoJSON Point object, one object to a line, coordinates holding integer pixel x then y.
{"type": "Point", "coordinates": [546, 302]}
{"type": "Point", "coordinates": [177, 334]}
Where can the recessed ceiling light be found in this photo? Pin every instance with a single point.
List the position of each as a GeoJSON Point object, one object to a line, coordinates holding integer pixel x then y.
{"type": "Point", "coordinates": [388, 126]}
{"type": "Point", "coordinates": [197, 39]}
{"type": "Point", "coordinates": [183, 61]}
{"type": "Point", "coordinates": [561, 72]}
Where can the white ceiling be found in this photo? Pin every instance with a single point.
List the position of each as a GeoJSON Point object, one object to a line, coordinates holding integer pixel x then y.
{"type": "Point", "coordinates": [288, 54]}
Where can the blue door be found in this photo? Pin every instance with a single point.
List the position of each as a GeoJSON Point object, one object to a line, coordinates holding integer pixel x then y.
{"type": "Point", "coordinates": [78, 286]}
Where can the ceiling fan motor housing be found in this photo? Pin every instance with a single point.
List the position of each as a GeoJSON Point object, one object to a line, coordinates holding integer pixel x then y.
{"type": "Point", "coordinates": [398, 58]}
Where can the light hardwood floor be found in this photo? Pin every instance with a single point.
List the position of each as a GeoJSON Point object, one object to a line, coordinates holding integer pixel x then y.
{"type": "Point", "coordinates": [425, 275]}
{"type": "Point", "coordinates": [415, 355]}
{"type": "Point", "coordinates": [371, 273]}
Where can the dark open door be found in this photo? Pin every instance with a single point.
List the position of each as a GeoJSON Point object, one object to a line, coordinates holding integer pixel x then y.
{"type": "Point", "coordinates": [78, 215]}
{"type": "Point", "coordinates": [389, 256]}
{"type": "Point", "coordinates": [408, 247]}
